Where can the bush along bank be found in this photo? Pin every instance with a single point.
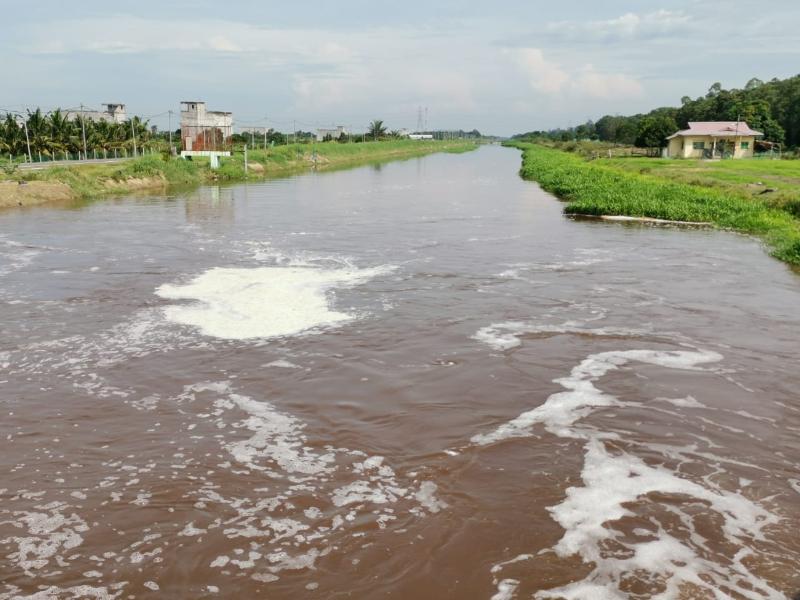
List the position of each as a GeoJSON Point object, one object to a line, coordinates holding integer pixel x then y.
{"type": "Point", "coordinates": [155, 172]}
{"type": "Point", "coordinates": [591, 189]}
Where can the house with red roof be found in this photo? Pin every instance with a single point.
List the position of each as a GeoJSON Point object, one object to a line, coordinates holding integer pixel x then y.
{"type": "Point", "coordinates": [713, 139]}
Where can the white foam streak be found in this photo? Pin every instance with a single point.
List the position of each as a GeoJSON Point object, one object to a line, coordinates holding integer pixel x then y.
{"type": "Point", "coordinates": [561, 410]}
{"type": "Point", "coordinates": [507, 335]}
{"type": "Point", "coordinates": [263, 302]}
{"type": "Point", "coordinates": [613, 482]}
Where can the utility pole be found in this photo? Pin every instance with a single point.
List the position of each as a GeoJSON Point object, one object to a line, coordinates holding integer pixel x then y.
{"type": "Point", "coordinates": [27, 139]}
{"type": "Point", "coordinates": [265, 138]}
{"type": "Point", "coordinates": [294, 130]}
{"type": "Point", "coordinates": [170, 130]}
{"type": "Point", "coordinates": [245, 159]}
{"type": "Point", "coordinates": [83, 129]}
{"type": "Point", "coordinates": [133, 133]}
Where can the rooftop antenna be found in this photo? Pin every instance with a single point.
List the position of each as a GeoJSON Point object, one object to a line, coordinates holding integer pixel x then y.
{"type": "Point", "coordinates": [420, 122]}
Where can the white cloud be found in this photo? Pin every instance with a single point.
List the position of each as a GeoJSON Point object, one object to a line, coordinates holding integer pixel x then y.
{"type": "Point", "coordinates": [551, 78]}
{"type": "Point", "coordinates": [628, 26]}
{"type": "Point", "coordinates": [608, 86]}
{"type": "Point", "coordinates": [223, 44]}
{"type": "Point", "coordinates": [543, 75]}
{"type": "Point", "coordinates": [135, 35]}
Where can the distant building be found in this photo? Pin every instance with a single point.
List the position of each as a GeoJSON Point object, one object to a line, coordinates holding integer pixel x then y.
{"type": "Point", "coordinates": [334, 134]}
{"type": "Point", "coordinates": [114, 112]}
{"type": "Point", "coordinates": [420, 136]}
{"type": "Point", "coordinates": [204, 130]}
{"type": "Point", "coordinates": [713, 139]}
{"type": "Point", "coordinates": [255, 130]}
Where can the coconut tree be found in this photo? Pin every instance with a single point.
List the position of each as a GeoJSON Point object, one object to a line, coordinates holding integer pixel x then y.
{"type": "Point", "coordinates": [61, 129]}
{"type": "Point", "coordinates": [13, 135]}
{"type": "Point", "coordinates": [38, 132]}
{"type": "Point", "coordinates": [376, 130]}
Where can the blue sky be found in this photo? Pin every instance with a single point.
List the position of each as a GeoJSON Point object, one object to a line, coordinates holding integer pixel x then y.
{"type": "Point", "coordinates": [502, 67]}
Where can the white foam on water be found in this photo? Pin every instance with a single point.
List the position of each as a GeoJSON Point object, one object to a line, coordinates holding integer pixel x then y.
{"type": "Point", "coordinates": [315, 494]}
{"type": "Point", "coordinates": [49, 536]}
{"type": "Point", "coordinates": [426, 496]}
{"type": "Point", "coordinates": [262, 302]}
{"type": "Point", "coordinates": [15, 256]}
{"type": "Point", "coordinates": [613, 482]}
{"type": "Point", "coordinates": [506, 589]}
{"type": "Point", "coordinates": [277, 438]}
{"type": "Point", "coordinates": [507, 335]}
{"type": "Point", "coordinates": [282, 364]}
{"type": "Point", "coordinates": [78, 592]}
{"type": "Point", "coordinates": [561, 410]}
{"type": "Point", "coordinates": [687, 402]}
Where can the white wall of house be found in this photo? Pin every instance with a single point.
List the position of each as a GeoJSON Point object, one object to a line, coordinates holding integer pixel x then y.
{"type": "Point", "coordinates": [684, 146]}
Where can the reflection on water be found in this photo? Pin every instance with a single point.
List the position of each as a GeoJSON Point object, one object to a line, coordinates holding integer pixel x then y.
{"type": "Point", "coordinates": [412, 381]}
{"type": "Point", "coordinates": [210, 204]}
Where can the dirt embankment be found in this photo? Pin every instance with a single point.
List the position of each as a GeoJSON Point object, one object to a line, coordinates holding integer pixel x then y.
{"type": "Point", "coordinates": [30, 193]}
{"type": "Point", "coordinates": [133, 184]}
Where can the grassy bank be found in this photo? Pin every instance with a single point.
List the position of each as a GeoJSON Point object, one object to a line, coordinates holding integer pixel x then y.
{"type": "Point", "coordinates": [603, 187]}
{"type": "Point", "coordinates": [158, 172]}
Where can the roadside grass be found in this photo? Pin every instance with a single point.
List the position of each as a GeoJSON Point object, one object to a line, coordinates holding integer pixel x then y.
{"type": "Point", "coordinates": [597, 188]}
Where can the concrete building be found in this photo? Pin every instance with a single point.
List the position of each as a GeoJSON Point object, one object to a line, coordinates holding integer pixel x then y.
{"type": "Point", "coordinates": [713, 139]}
{"type": "Point", "coordinates": [203, 130]}
{"type": "Point", "coordinates": [335, 134]}
{"type": "Point", "coordinates": [113, 112]}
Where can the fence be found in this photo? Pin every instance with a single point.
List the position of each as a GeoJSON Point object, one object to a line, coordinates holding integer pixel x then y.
{"type": "Point", "coordinates": [93, 154]}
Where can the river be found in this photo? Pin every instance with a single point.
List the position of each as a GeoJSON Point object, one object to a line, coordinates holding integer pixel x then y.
{"type": "Point", "coordinates": [410, 380]}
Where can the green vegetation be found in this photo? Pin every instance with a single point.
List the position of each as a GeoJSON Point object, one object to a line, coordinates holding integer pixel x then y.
{"type": "Point", "coordinates": [775, 183]}
{"type": "Point", "coordinates": [772, 108]}
{"type": "Point", "coordinates": [161, 170]}
{"type": "Point", "coordinates": [604, 187]}
{"type": "Point", "coordinates": [54, 136]}
{"type": "Point", "coordinates": [376, 130]}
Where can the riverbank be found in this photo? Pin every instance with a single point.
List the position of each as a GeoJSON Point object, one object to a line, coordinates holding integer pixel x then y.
{"type": "Point", "coordinates": [64, 183]}
{"type": "Point", "coordinates": [605, 188]}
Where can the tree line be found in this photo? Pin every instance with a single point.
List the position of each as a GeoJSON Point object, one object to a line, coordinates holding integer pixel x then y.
{"type": "Point", "coordinates": [61, 134]}
{"type": "Point", "coordinates": [771, 107]}
{"type": "Point", "coordinates": [57, 134]}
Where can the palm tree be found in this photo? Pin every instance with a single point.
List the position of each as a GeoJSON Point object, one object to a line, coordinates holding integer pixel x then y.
{"type": "Point", "coordinates": [376, 130]}
{"type": "Point", "coordinates": [61, 129]}
{"type": "Point", "coordinates": [13, 135]}
{"type": "Point", "coordinates": [38, 132]}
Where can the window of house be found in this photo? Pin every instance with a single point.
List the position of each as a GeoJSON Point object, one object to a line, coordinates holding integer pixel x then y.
{"type": "Point", "coordinates": [745, 145]}
{"type": "Point", "coordinates": [699, 145]}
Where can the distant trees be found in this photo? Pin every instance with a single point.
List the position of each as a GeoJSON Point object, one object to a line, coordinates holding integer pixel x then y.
{"type": "Point", "coordinates": [53, 134]}
{"type": "Point", "coordinates": [772, 107]}
{"type": "Point", "coordinates": [652, 131]}
{"type": "Point", "coordinates": [376, 130]}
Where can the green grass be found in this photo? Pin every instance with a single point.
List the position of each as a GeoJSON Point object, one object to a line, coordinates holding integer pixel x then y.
{"type": "Point", "coordinates": [603, 187]}
{"type": "Point", "coordinates": [90, 181]}
{"type": "Point", "coordinates": [748, 178]}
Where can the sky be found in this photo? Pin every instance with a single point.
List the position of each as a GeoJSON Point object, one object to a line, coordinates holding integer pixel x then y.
{"type": "Point", "coordinates": [502, 66]}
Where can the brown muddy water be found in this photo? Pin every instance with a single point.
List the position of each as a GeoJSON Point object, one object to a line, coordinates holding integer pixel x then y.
{"type": "Point", "coordinates": [417, 380]}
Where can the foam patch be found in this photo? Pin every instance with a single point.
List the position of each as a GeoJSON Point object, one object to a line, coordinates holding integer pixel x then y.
{"type": "Point", "coordinates": [264, 302]}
